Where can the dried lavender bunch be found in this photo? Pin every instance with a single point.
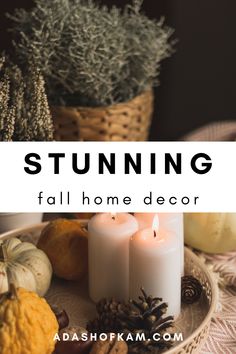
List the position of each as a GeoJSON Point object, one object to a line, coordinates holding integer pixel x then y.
{"type": "Point", "coordinates": [24, 111]}
{"type": "Point", "coordinates": [89, 54]}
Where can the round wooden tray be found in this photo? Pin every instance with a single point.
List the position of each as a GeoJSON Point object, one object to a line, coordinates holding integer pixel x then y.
{"type": "Point", "coordinates": [194, 321]}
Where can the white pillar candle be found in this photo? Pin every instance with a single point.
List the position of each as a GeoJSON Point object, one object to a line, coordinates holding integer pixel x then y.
{"type": "Point", "coordinates": [109, 236]}
{"type": "Point", "coordinates": [173, 222]}
{"type": "Point", "coordinates": [155, 265]}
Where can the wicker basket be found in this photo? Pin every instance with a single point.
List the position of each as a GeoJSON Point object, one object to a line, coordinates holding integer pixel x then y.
{"type": "Point", "coordinates": [128, 121]}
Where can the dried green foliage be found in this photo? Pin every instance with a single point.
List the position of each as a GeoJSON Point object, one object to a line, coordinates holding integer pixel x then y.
{"type": "Point", "coordinates": [24, 111]}
{"type": "Point", "coordinates": [89, 54]}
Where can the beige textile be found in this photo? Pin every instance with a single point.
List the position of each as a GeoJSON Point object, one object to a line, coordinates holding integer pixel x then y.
{"type": "Point", "coordinates": [222, 336]}
{"type": "Point", "coordinates": [218, 131]}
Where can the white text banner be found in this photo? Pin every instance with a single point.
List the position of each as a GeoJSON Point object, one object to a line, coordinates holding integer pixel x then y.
{"type": "Point", "coordinates": [112, 176]}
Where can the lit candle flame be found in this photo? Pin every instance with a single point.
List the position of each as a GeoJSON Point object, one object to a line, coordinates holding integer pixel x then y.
{"type": "Point", "coordinates": [113, 216]}
{"type": "Point", "coordinates": [155, 225]}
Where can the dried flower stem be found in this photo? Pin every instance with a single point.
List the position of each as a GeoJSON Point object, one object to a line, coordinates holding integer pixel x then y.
{"type": "Point", "coordinates": [24, 111]}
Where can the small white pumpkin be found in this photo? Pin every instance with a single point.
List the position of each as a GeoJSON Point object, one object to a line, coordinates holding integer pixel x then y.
{"type": "Point", "coordinates": [210, 232]}
{"type": "Point", "coordinates": [24, 265]}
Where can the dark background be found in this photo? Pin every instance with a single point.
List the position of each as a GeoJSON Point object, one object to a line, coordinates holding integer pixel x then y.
{"type": "Point", "coordinates": [198, 82]}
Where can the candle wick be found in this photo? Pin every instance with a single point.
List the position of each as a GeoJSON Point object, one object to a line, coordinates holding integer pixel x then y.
{"type": "Point", "coordinates": [155, 234]}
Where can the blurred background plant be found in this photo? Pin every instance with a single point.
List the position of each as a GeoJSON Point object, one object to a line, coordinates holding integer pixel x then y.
{"type": "Point", "coordinates": [91, 55]}
{"type": "Point", "coordinates": [24, 110]}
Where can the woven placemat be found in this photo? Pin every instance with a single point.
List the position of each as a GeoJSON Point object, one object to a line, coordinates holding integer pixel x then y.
{"type": "Point", "coordinates": [218, 131]}
{"type": "Point", "coordinates": [222, 335]}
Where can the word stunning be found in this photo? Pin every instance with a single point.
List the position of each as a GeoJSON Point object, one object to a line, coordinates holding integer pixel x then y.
{"type": "Point", "coordinates": [200, 163]}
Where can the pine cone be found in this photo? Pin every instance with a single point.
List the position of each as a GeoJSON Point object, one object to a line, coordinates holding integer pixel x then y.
{"type": "Point", "coordinates": [108, 316]}
{"type": "Point", "coordinates": [191, 289]}
{"type": "Point", "coordinates": [146, 316]}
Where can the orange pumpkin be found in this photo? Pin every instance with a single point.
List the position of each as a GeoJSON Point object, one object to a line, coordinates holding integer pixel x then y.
{"type": "Point", "coordinates": [65, 242]}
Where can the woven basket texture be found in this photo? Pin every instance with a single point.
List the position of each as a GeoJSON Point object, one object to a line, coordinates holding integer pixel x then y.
{"type": "Point", "coordinates": [129, 121]}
